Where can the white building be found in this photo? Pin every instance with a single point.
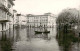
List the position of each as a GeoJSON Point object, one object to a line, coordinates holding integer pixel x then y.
{"type": "Point", "coordinates": [15, 18]}
{"type": "Point", "coordinates": [5, 13]}
{"type": "Point", "coordinates": [46, 20]}
{"type": "Point", "coordinates": [10, 6]}
{"type": "Point", "coordinates": [22, 20]}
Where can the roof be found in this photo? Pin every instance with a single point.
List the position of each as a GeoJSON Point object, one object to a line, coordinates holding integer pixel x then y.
{"type": "Point", "coordinates": [30, 15]}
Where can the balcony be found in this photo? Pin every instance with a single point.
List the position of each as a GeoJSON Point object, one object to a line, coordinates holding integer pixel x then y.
{"type": "Point", "coordinates": [4, 20]}
{"type": "Point", "coordinates": [3, 16]}
{"type": "Point", "coordinates": [3, 7]}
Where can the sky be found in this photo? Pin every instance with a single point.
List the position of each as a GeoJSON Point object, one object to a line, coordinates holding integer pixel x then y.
{"type": "Point", "coordinates": [44, 6]}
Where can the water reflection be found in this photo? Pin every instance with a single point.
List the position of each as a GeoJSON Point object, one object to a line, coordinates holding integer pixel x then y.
{"type": "Point", "coordinates": [67, 40]}
{"type": "Point", "coordinates": [17, 31]}
{"type": "Point", "coordinates": [31, 42]}
{"type": "Point", "coordinates": [24, 39]}
{"type": "Point", "coordinates": [5, 43]}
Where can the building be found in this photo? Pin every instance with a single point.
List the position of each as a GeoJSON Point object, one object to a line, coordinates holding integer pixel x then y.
{"type": "Point", "coordinates": [6, 13]}
{"type": "Point", "coordinates": [10, 7]}
{"type": "Point", "coordinates": [21, 20]}
{"type": "Point", "coordinates": [15, 18]}
{"type": "Point", "coordinates": [46, 20]}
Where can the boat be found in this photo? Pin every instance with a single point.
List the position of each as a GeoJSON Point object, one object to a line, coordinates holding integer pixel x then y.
{"type": "Point", "coordinates": [40, 32]}
{"type": "Point", "coordinates": [46, 32]}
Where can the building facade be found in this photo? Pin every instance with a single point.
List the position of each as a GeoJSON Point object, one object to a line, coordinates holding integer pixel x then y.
{"type": "Point", "coordinates": [11, 13]}
{"type": "Point", "coordinates": [46, 20]}
{"type": "Point", "coordinates": [21, 20]}
{"type": "Point", "coordinates": [15, 18]}
{"type": "Point", "coordinates": [6, 13]}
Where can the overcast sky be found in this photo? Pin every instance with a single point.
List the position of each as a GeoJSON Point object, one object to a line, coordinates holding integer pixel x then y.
{"type": "Point", "coordinates": [44, 6]}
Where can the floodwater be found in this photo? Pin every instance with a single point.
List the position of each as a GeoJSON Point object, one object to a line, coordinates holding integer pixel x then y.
{"type": "Point", "coordinates": [28, 41]}
{"type": "Point", "coordinates": [25, 39]}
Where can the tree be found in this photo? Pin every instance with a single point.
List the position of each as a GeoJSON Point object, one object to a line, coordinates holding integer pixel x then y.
{"type": "Point", "coordinates": [67, 19]}
{"type": "Point", "coordinates": [69, 16]}
{"type": "Point", "coordinates": [65, 35]}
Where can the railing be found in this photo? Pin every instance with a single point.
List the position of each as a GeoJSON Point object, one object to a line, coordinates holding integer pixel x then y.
{"type": "Point", "coordinates": [3, 19]}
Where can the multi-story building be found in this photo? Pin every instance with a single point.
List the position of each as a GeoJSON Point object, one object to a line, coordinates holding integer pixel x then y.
{"type": "Point", "coordinates": [46, 20]}
{"type": "Point", "coordinates": [6, 13]}
{"type": "Point", "coordinates": [21, 20]}
{"type": "Point", "coordinates": [15, 18]}
{"type": "Point", "coordinates": [11, 13]}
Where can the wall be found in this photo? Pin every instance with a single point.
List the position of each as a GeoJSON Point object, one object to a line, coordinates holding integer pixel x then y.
{"type": "Point", "coordinates": [22, 20]}
{"type": "Point", "coordinates": [15, 18]}
{"type": "Point", "coordinates": [11, 22]}
{"type": "Point", "coordinates": [10, 6]}
{"type": "Point", "coordinates": [5, 16]}
{"type": "Point", "coordinates": [2, 15]}
{"type": "Point", "coordinates": [7, 25]}
{"type": "Point", "coordinates": [0, 26]}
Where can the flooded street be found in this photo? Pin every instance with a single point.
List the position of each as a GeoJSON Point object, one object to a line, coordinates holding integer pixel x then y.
{"type": "Point", "coordinates": [28, 41]}
{"type": "Point", "coordinates": [39, 25]}
{"type": "Point", "coordinates": [25, 39]}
